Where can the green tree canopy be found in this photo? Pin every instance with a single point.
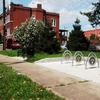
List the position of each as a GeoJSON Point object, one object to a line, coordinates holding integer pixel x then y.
{"type": "Point", "coordinates": [46, 40]}
{"type": "Point", "coordinates": [36, 36]}
{"type": "Point", "coordinates": [92, 37]}
{"type": "Point", "coordinates": [94, 14]}
{"type": "Point", "coordinates": [25, 34]}
{"type": "Point", "coordinates": [77, 40]}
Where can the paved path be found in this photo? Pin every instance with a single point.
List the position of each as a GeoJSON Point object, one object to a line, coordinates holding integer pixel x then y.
{"type": "Point", "coordinates": [70, 87]}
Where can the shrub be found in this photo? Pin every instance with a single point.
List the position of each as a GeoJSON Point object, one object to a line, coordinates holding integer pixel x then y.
{"type": "Point", "coordinates": [25, 34]}
{"type": "Point", "coordinates": [36, 36]}
{"type": "Point", "coordinates": [92, 47]}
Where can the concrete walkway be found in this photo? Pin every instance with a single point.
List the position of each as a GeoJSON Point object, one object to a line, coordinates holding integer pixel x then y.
{"type": "Point", "coordinates": [70, 87]}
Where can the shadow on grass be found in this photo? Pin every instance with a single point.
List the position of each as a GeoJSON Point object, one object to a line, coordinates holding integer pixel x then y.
{"type": "Point", "coordinates": [13, 63]}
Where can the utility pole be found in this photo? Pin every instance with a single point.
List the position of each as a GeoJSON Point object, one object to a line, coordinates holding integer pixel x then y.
{"type": "Point", "coordinates": [4, 27]}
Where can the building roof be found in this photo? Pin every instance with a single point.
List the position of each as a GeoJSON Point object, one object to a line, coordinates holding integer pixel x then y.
{"type": "Point", "coordinates": [39, 8]}
{"type": "Point", "coordinates": [63, 30]}
{"type": "Point", "coordinates": [52, 13]}
{"type": "Point", "coordinates": [90, 32]}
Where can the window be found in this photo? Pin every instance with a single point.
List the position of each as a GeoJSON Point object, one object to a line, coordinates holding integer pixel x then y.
{"type": "Point", "coordinates": [7, 19]}
{"type": "Point", "coordinates": [8, 31]}
{"type": "Point", "coordinates": [53, 22]}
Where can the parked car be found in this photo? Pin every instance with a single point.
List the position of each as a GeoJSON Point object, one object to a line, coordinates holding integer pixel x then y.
{"type": "Point", "coordinates": [15, 45]}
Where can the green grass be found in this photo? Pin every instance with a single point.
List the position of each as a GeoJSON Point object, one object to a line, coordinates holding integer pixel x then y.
{"type": "Point", "coordinates": [37, 56]}
{"type": "Point", "coordinates": [9, 52]}
{"type": "Point", "coordinates": [43, 55]}
{"type": "Point", "coordinates": [14, 86]}
{"type": "Point", "coordinates": [86, 53]}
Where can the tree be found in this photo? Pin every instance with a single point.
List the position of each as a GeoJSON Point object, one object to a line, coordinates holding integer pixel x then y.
{"type": "Point", "coordinates": [46, 40]}
{"type": "Point", "coordinates": [25, 34]}
{"type": "Point", "coordinates": [94, 15]}
{"type": "Point", "coordinates": [92, 37]}
{"type": "Point", "coordinates": [77, 40]}
{"type": "Point", "coordinates": [36, 36]}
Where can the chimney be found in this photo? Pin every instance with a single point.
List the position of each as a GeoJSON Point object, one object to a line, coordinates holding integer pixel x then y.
{"type": "Point", "coordinates": [39, 6]}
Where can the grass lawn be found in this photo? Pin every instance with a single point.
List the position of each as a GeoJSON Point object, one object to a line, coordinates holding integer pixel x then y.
{"type": "Point", "coordinates": [85, 53]}
{"type": "Point", "coordinates": [11, 53]}
{"type": "Point", "coordinates": [37, 56]}
{"type": "Point", "coordinates": [42, 55]}
{"type": "Point", "coordinates": [14, 86]}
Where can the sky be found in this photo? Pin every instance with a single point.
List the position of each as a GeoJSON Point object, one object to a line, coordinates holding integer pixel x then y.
{"type": "Point", "coordinates": [69, 10]}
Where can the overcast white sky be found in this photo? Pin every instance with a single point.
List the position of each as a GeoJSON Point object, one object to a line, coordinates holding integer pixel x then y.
{"type": "Point", "coordinates": [69, 10]}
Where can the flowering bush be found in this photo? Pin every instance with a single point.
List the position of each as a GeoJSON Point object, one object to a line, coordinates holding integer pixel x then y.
{"type": "Point", "coordinates": [25, 35]}
{"type": "Point", "coordinates": [35, 36]}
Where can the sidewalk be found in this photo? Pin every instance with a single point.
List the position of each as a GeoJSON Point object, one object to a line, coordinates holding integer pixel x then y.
{"type": "Point", "coordinates": [70, 87]}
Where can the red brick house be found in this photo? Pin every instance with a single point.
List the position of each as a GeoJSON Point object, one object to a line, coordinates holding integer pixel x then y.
{"type": "Point", "coordinates": [18, 14]}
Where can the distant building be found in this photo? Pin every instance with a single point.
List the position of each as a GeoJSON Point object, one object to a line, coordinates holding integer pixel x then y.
{"type": "Point", "coordinates": [63, 37]}
{"type": "Point", "coordinates": [95, 32]}
{"type": "Point", "coordinates": [96, 40]}
{"type": "Point", "coordinates": [18, 14]}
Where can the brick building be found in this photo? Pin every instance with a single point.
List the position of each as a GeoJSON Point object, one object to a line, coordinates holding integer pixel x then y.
{"type": "Point", "coordinates": [18, 14]}
{"type": "Point", "coordinates": [96, 32]}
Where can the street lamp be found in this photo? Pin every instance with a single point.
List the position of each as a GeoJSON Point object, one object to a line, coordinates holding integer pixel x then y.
{"type": "Point", "coordinates": [4, 27]}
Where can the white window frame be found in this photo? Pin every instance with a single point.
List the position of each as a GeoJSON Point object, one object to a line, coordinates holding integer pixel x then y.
{"type": "Point", "coordinates": [53, 22]}
{"type": "Point", "coordinates": [8, 32]}
{"type": "Point", "coordinates": [7, 18]}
